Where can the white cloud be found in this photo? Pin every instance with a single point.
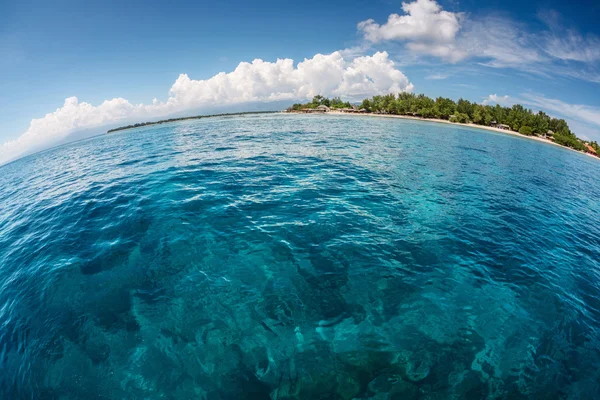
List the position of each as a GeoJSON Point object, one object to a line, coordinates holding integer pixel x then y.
{"type": "Point", "coordinates": [501, 42]}
{"type": "Point", "coordinates": [258, 81]}
{"type": "Point", "coordinates": [437, 77]}
{"type": "Point", "coordinates": [73, 116]}
{"type": "Point", "coordinates": [424, 21]}
{"type": "Point", "coordinates": [495, 99]}
{"type": "Point", "coordinates": [572, 46]}
{"type": "Point", "coordinates": [426, 27]}
{"type": "Point", "coordinates": [265, 81]}
{"type": "Point", "coordinates": [446, 51]}
{"type": "Point", "coordinates": [567, 44]}
{"type": "Point", "coordinates": [492, 40]}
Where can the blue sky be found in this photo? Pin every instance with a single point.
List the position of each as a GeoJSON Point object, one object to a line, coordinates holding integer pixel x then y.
{"type": "Point", "coordinates": [545, 54]}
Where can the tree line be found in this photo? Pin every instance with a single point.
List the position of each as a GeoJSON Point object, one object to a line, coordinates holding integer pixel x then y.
{"type": "Point", "coordinates": [517, 117]}
{"type": "Point", "coordinates": [335, 103]}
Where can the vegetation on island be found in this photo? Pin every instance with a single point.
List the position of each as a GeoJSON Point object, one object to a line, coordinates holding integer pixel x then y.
{"type": "Point", "coordinates": [140, 124]}
{"type": "Point", "coordinates": [516, 118]}
{"type": "Point", "coordinates": [335, 103]}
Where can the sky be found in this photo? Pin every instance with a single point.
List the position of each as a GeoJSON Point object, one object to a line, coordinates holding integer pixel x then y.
{"type": "Point", "coordinates": [68, 67]}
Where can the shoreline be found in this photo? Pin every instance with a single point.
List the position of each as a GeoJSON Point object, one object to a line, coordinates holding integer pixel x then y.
{"type": "Point", "coordinates": [471, 125]}
{"type": "Point", "coordinates": [167, 121]}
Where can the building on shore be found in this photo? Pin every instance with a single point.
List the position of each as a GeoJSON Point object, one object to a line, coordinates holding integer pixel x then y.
{"type": "Point", "coordinates": [320, 109]}
{"type": "Point", "coordinates": [495, 124]}
{"type": "Point", "coordinates": [590, 149]}
{"type": "Point", "coordinates": [354, 109]}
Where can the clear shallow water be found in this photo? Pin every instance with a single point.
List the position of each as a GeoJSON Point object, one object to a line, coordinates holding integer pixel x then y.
{"type": "Point", "coordinates": [291, 257]}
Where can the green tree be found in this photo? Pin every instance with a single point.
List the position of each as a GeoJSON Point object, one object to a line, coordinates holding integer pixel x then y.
{"type": "Point", "coordinates": [541, 123]}
{"type": "Point", "coordinates": [488, 115]}
{"type": "Point", "coordinates": [559, 126]}
{"type": "Point", "coordinates": [427, 112]}
{"type": "Point", "coordinates": [317, 100]}
{"type": "Point", "coordinates": [460, 117]}
{"type": "Point", "coordinates": [478, 114]}
{"type": "Point", "coordinates": [366, 104]}
{"type": "Point", "coordinates": [444, 107]}
{"type": "Point", "coordinates": [517, 117]}
{"type": "Point", "coordinates": [465, 107]}
{"type": "Point", "coordinates": [569, 140]}
{"type": "Point", "coordinates": [526, 130]}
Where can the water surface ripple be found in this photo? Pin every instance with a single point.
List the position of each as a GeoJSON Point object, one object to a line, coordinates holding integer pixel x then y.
{"type": "Point", "coordinates": [300, 257]}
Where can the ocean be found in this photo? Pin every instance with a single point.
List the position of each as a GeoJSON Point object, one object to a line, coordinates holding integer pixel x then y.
{"type": "Point", "coordinates": [300, 257]}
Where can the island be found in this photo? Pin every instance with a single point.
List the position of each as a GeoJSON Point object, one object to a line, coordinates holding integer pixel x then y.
{"type": "Point", "coordinates": [164, 121]}
{"type": "Point", "coordinates": [516, 119]}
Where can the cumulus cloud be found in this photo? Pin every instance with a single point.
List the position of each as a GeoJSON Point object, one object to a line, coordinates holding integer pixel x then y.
{"type": "Point", "coordinates": [74, 116]}
{"type": "Point", "coordinates": [496, 41]}
{"type": "Point", "coordinates": [258, 81]}
{"type": "Point", "coordinates": [429, 30]}
{"type": "Point", "coordinates": [495, 99]}
{"type": "Point", "coordinates": [265, 81]}
{"type": "Point", "coordinates": [424, 21]}
{"type": "Point", "coordinates": [425, 27]}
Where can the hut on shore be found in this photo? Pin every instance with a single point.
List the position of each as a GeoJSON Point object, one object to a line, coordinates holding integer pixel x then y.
{"type": "Point", "coordinates": [590, 149]}
{"type": "Point", "coordinates": [495, 124]}
{"type": "Point", "coordinates": [319, 109]}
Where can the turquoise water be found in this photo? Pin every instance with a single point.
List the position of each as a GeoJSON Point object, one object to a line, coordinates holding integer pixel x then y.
{"type": "Point", "coordinates": [300, 257]}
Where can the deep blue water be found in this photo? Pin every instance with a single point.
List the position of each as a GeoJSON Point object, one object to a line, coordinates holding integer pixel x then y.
{"type": "Point", "coordinates": [300, 257]}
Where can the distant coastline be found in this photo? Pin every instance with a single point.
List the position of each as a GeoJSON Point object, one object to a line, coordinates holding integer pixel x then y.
{"type": "Point", "coordinates": [515, 120]}
{"type": "Point", "coordinates": [164, 121]}
{"type": "Point", "coordinates": [364, 113]}
{"type": "Point", "coordinates": [468, 125]}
